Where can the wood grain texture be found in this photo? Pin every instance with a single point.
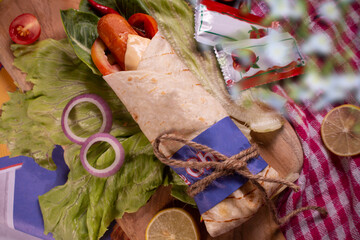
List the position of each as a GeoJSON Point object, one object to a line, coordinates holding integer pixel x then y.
{"type": "Point", "coordinates": [48, 14]}
{"type": "Point", "coordinates": [281, 149]}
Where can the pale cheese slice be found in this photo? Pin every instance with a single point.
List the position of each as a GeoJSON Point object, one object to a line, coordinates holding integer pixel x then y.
{"type": "Point", "coordinates": [136, 46]}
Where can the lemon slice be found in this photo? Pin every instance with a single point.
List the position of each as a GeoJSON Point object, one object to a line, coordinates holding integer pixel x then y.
{"type": "Point", "coordinates": [340, 130]}
{"type": "Point", "coordinates": [172, 224]}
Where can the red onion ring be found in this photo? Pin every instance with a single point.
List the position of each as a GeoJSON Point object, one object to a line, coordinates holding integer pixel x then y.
{"type": "Point", "coordinates": [115, 144]}
{"type": "Point", "coordinates": [92, 98]}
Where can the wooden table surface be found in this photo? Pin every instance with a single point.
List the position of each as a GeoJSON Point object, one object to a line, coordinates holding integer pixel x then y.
{"type": "Point", "coordinates": [48, 14]}
{"type": "Point", "coordinates": [282, 149]}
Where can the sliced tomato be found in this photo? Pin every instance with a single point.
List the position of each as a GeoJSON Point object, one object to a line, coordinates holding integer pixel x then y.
{"type": "Point", "coordinates": [25, 29]}
{"type": "Point", "coordinates": [101, 60]}
{"type": "Point", "coordinates": [145, 25]}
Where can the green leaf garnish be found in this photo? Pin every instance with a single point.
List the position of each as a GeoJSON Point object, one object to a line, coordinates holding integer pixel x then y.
{"type": "Point", "coordinates": [81, 29]}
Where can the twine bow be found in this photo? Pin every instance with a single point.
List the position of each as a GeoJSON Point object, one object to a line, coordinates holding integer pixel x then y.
{"type": "Point", "coordinates": [226, 166]}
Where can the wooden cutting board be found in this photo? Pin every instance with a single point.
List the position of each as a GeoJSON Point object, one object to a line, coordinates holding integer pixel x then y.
{"type": "Point", "coordinates": [281, 149]}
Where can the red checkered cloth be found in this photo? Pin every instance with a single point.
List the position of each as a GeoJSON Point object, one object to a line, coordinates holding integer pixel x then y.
{"type": "Point", "coordinates": [326, 180]}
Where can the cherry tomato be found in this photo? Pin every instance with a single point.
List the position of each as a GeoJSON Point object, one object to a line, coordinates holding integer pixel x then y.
{"type": "Point", "coordinates": [25, 29]}
{"type": "Point", "coordinates": [144, 25]}
{"type": "Point", "coordinates": [101, 60]}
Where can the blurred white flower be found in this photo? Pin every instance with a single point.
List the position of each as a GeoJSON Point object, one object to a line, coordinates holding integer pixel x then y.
{"type": "Point", "coordinates": [278, 52]}
{"type": "Point", "coordinates": [320, 103]}
{"type": "Point", "coordinates": [331, 95]}
{"type": "Point", "coordinates": [318, 43]}
{"type": "Point", "coordinates": [305, 95]}
{"type": "Point", "coordinates": [286, 8]}
{"type": "Point", "coordinates": [315, 82]}
{"type": "Point", "coordinates": [324, 90]}
{"type": "Point", "coordinates": [330, 11]}
{"type": "Point", "coordinates": [345, 82]}
{"type": "Point", "coordinates": [334, 93]}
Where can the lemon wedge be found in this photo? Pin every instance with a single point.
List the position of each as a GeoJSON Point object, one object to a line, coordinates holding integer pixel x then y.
{"type": "Point", "coordinates": [340, 130]}
{"type": "Point", "coordinates": [172, 224]}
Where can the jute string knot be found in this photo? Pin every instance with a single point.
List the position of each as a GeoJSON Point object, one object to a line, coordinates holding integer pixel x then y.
{"type": "Point", "coordinates": [227, 166]}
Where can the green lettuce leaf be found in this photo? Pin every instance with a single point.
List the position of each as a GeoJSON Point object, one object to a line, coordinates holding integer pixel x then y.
{"type": "Point", "coordinates": [30, 125]}
{"type": "Point", "coordinates": [31, 122]}
{"type": "Point", "coordinates": [178, 189]}
{"type": "Point", "coordinates": [16, 127]}
{"type": "Point", "coordinates": [85, 206]}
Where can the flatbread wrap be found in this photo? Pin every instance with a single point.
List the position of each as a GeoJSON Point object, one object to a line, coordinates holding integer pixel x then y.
{"type": "Point", "coordinates": [163, 96]}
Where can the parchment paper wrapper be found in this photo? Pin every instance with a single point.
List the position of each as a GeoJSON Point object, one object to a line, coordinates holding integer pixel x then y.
{"type": "Point", "coordinates": [163, 96]}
